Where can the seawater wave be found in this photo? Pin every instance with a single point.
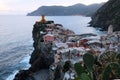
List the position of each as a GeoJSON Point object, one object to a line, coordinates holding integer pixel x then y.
{"type": "Point", "coordinates": [24, 64]}
{"type": "Point", "coordinates": [15, 43]}
{"type": "Point", "coordinates": [15, 59]}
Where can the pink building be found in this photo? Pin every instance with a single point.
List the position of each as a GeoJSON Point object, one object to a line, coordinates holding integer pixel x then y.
{"type": "Point", "coordinates": [70, 44]}
{"type": "Point", "coordinates": [49, 38]}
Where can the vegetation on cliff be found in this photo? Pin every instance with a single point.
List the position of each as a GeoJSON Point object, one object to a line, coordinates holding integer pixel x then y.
{"type": "Point", "coordinates": [108, 14]}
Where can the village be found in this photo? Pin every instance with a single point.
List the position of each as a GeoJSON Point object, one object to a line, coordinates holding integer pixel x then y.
{"type": "Point", "coordinates": [69, 48]}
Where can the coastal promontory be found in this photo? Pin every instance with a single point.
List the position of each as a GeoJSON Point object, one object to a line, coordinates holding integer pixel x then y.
{"type": "Point", "coordinates": [42, 56]}
{"type": "Point", "coordinates": [60, 54]}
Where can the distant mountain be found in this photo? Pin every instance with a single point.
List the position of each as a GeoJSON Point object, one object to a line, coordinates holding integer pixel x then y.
{"type": "Point", "coordinates": [108, 14]}
{"type": "Point", "coordinates": [77, 9]}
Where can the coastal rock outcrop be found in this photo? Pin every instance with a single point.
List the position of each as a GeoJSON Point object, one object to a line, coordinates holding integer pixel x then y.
{"type": "Point", "coordinates": [42, 56]}
{"type": "Point", "coordinates": [108, 14]}
{"type": "Point", "coordinates": [23, 75]}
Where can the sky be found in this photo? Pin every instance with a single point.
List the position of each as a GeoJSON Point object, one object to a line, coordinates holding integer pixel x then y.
{"type": "Point", "coordinates": [22, 7]}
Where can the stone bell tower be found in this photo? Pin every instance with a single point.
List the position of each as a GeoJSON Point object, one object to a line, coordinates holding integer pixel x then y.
{"type": "Point", "coordinates": [110, 29]}
{"type": "Point", "coordinates": [43, 19]}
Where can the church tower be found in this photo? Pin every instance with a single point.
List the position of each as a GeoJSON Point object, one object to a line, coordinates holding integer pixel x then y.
{"type": "Point", "coordinates": [43, 19]}
{"type": "Point", "coordinates": [110, 29]}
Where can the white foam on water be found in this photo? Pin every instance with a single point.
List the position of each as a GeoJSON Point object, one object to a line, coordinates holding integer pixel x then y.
{"type": "Point", "coordinates": [11, 77]}
{"type": "Point", "coordinates": [25, 60]}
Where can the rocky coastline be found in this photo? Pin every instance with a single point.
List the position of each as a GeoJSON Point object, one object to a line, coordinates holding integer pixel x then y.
{"type": "Point", "coordinates": [41, 57]}
{"type": "Point", "coordinates": [108, 14]}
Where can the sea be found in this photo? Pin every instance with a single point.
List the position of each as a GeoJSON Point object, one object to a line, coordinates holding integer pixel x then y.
{"type": "Point", "coordinates": [16, 43]}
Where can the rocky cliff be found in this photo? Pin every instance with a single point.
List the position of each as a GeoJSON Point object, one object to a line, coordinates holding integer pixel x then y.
{"type": "Point", "coordinates": [108, 14]}
{"type": "Point", "coordinates": [42, 56]}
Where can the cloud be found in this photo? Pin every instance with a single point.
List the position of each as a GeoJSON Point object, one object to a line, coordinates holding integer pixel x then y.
{"type": "Point", "coordinates": [16, 6]}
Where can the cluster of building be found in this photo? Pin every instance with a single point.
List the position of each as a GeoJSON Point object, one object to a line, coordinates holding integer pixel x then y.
{"type": "Point", "coordinates": [111, 40]}
{"type": "Point", "coordinates": [68, 46]}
